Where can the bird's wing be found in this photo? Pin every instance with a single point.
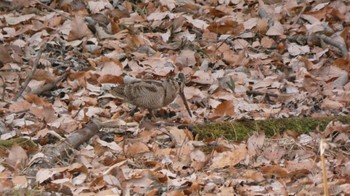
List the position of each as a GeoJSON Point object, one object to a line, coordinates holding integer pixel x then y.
{"type": "Point", "coordinates": [145, 91]}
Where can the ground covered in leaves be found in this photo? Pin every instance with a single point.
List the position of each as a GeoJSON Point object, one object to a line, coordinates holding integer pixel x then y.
{"type": "Point", "coordinates": [243, 60]}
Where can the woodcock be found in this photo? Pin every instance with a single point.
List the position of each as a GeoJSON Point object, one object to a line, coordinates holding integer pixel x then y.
{"type": "Point", "coordinates": [152, 94]}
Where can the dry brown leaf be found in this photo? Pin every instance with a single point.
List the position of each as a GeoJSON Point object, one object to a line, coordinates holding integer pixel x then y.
{"type": "Point", "coordinates": [17, 157]}
{"type": "Point", "coordinates": [111, 67]}
{"type": "Point", "coordinates": [255, 143]}
{"type": "Point", "coordinates": [20, 182]}
{"type": "Point", "coordinates": [111, 145]}
{"type": "Point", "coordinates": [136, 148]}
{"type": "Point", "coordinates": [5, 57]}
{"type": "Point", "coordinates": [262, 25]}
{"type": "Point", "coordinates": [252, 175]}
{"type": "Point", "coordinates": [229, 158]}
{"type": "Point", "coordinates": [44, 75]}
{"type": "Point", "coordinates": [66, 123]}
{"type": "Point", "coordinates": [110, 79]}
{"type": "Point", "coordinates": [171, 4]}
{"type": "Point", "coordinates": [226, 27]}
{"type": "Point", "coordinates": [19, 106]}
{"type": "Point", "coordinates": [231, 57]}
{"type": "Point", "coordinates": [273, 52]}
{"type": "Point", "coordinates": [79, 29]}
{"type": "Point", "coordinates": [203, 77]}
{"type": "Point", "coordinates": [307, 164]}
{"type": "Point", "coordinates": [276, 29]}
{"type": "Point", "coordinates": [44, 174]}
{"type": "Point", "coordinates": [251, 23]}
{"type": "Point", "coordinates": [198, 159]}
{"type": "Point", "coordinates": [226, 108]}
{"type": "Point", "coordinates": [267, 42]}
{"type": "Point", "coordinates": [178, 134]}
{"type": "Point", "coordinates": [159, 66]}
{"type": "Point", "coordinates": [323, 13]}
{"type": "Point", "coordinates": [274, 170]}
{"type": "Point", "coordinates": [295, 49]}
{"type": "Point", "coordinates": [35, 99]}
{"type": "Point", "coordinates": [274, 153]}
{"type": "Point", "coordinates": [209, 37]}
{"type": "Point", "coordinates": [14, 20]}
{"type": "Point", "coordinates": [240, 44]}
{"type": "Point", "coordinates": [186, 58]}
{"type": "Point", "coordinates": [97, 6]}
{"type": "Point", "coordinates": [331, 105]}
{"type": "Point", "coordinates": [44, 113]}
{"type": "Point", "coordinates": [201, 24]}
{"type": "Point", "coordinates": [342, 63]}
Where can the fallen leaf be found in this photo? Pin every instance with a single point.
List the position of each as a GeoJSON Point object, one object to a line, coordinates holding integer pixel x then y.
{"type": "Point", "coordinates": [17, 156]}
{"type": "Point", "coordinates": [137, 148]}
{"type": "Point", "coordinates": [229, 158]}
{"type": "Point", "coordinates": [79, 29]}
{"type": "Point", "coordinates": [225, 108]}
{"type": "Point", "coordinates": [276, 29]}
{"type": "Point", "coordinates": [13, 20]}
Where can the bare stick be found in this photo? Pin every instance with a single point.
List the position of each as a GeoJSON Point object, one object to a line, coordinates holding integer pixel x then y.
{"type": "Point", "coordinates": [62, 150]}
{"type": "Point", "coordinates": [3, 89]}
{"type": "Point", "coordinates": [299, 15]}
{"type": "Point", "coordinates": [323, 147]}
{"type": "Point", "coordinates": [51, 9]}
{"type": "Point", "coordinates": [256, 93]}
{"type": "Point", "coordinates": [223, 41]}
{"type": "Point", "coordinates": [340, 45]}
{"type": "Point", "coordinates": [30, 76]}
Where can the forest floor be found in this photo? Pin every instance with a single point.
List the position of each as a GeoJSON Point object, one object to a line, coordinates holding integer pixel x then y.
{"type": "Point", "coordinates": [243, 60]}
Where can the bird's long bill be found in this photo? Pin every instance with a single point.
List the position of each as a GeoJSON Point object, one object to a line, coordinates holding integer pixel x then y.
{"type": "Point", "coordinates": [182, 95]}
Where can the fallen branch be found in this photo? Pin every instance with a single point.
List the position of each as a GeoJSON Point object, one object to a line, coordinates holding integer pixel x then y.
{"type": "Point", "coordinates": [62, 150]}
{"type": "Point", "coordinates": [315, 39]}
{"type": "Point", "coordinates": [340, 45]}
{"type": "Point", "coordinates": [323, 146]}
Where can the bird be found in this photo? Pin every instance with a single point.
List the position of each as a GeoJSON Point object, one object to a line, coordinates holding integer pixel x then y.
{"type": "Point", "coordinates": [152, 94]}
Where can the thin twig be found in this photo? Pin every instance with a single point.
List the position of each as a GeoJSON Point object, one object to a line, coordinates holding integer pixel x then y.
{"type": "Point", "coordinates": [9, 70]}
{"type": "Point", "coordinates": [299, 15]}
{"type": "Point", "coordinates": [30, 76]}
{"type": "Point", "coordinates": [257, 93]}
{"type": "Point", "coordinates": [323, 146]}
{"type": "Point", "coordinates": [3, 89]}
{"type": "Point", "coordinates": [228, 37]}
{"type": "Point", "coordinates": [51, 9]}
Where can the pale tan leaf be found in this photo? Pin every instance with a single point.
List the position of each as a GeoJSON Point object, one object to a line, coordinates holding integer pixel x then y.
{"type": "Point", "coordinates": [229, 158]}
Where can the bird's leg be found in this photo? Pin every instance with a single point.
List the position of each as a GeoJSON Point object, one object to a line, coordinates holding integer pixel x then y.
{"type": "Point", "coordinates": [182, 95]}
{"type": "Point", "coordinates": [150, 114]}
{"type": "Point", "coordinates": [133, 111]}
{"type": "Point", "coordinates": [182, 80]}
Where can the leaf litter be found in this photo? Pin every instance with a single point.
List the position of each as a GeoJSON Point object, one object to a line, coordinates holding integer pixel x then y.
{"type": "Point", "coordinates": [242, 60]}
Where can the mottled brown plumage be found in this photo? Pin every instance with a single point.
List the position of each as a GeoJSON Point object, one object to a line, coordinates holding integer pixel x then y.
{"type": "Point", "coordinates": [152, 94]}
